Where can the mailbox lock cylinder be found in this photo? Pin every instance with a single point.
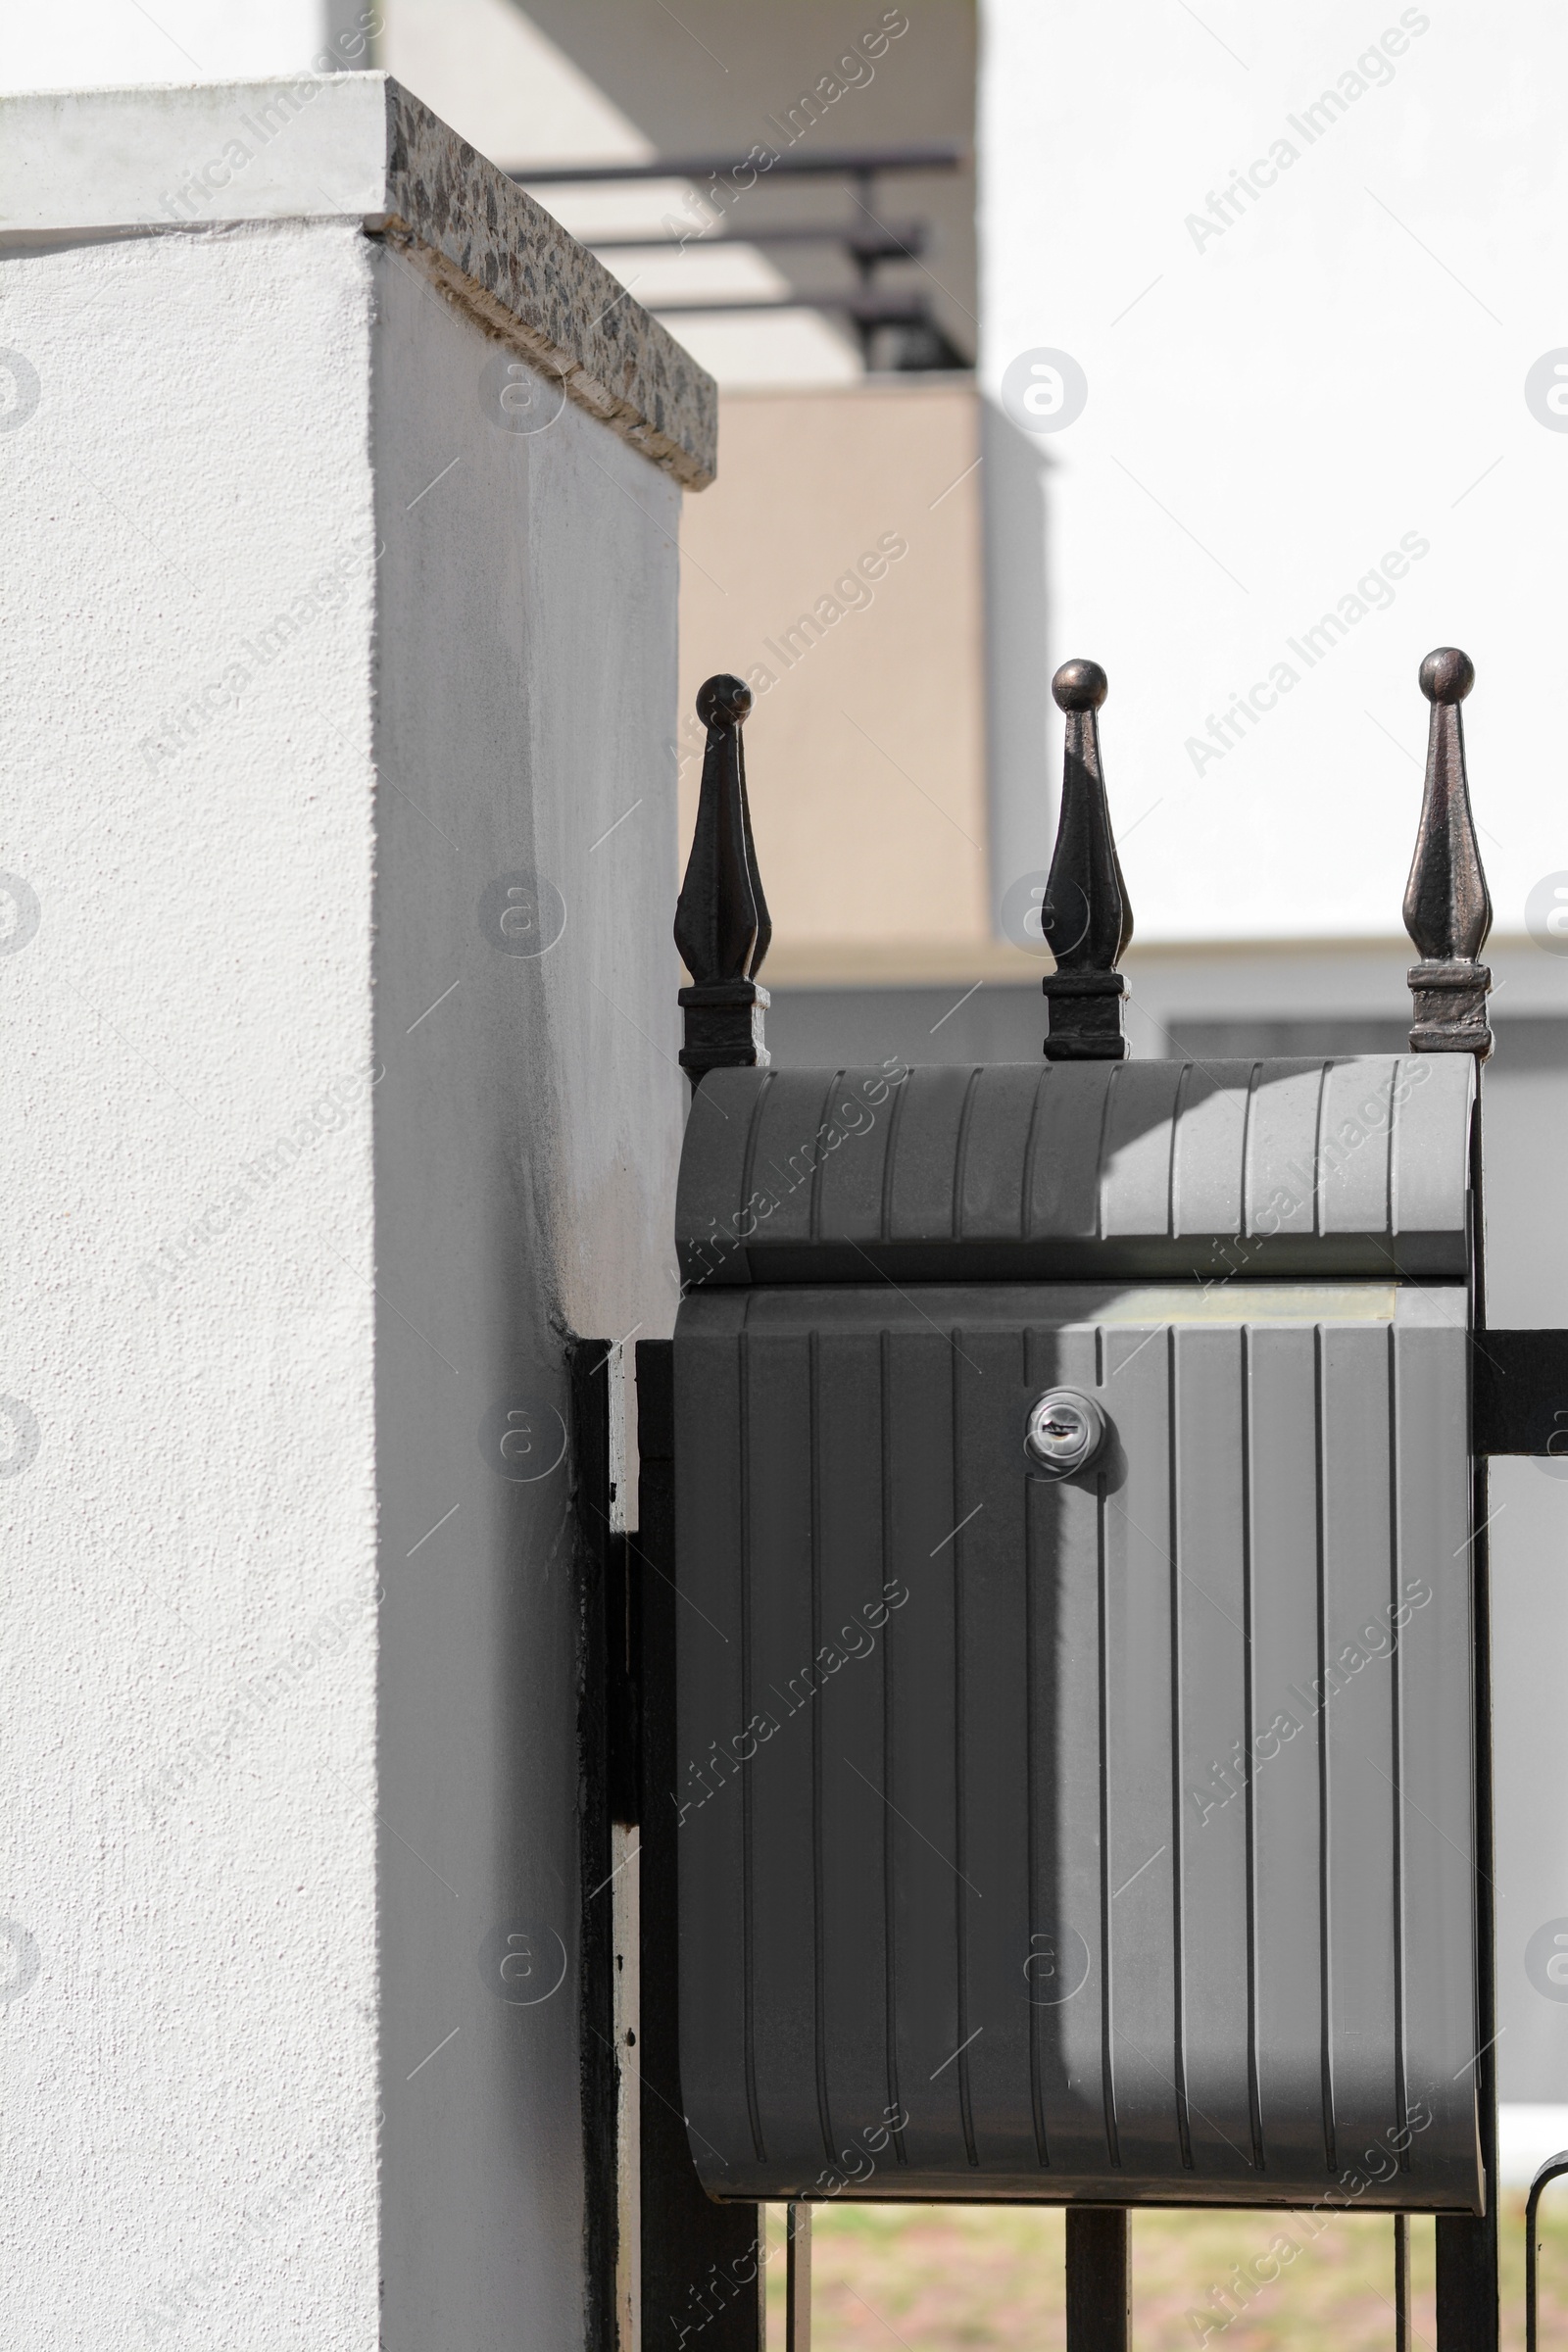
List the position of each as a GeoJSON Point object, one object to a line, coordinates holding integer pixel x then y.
{"type": "Point", "coordinates": [1065, 1431]}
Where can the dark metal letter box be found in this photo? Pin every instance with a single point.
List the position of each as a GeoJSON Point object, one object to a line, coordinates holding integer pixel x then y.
{"type": "Point", "coordinates": [1098, 1831]}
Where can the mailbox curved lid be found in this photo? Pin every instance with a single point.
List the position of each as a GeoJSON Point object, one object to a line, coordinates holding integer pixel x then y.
{"type": "Point", "coordinates": [1351, 1167]}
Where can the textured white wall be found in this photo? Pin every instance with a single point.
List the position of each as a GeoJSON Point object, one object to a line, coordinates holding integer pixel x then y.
{"type": "Point", "coordinates": [311, 1176]}
{"type": "Point", "coordinates": [188, 1657]}
{"type": "Point", "coordinates": [1276, 400]}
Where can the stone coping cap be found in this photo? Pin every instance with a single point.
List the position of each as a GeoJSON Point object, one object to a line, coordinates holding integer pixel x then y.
{"type": "Point", "coordinates": [186, 154]}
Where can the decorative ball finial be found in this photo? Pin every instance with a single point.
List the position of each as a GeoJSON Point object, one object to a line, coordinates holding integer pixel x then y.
{"type": "Point", "coordinates": [725, 699]}
{"type": "Point", "coordinates": [1085, 919]}
{"type": "Point", "coordinates": [1079, 686]}
{"type": "Point", "coordinates": [1447, 909]}
{"type": "Point", "coordinates": [1446, 675]}
{"type": "Point", "coordinates": [723, 926]}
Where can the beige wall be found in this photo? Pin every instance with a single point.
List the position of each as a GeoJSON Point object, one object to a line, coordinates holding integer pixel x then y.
{"type": "Point", "coordinates": [866, 748]}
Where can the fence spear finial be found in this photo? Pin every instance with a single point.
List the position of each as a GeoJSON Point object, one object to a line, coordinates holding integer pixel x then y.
{"type": "Point", "coordinates": [722, 927]}
{"type": "Point", "coordinates": [1086, 918]}
{"type": "Point", "coordinates": [1447, 909]}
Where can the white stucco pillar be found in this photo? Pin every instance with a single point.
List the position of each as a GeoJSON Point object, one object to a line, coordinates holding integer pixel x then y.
{"type": "Point", "coordinates": [337, 1008]}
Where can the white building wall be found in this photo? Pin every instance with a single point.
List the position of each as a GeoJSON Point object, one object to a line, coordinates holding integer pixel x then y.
{"type": "Point", "coordinates": [1306, 399]}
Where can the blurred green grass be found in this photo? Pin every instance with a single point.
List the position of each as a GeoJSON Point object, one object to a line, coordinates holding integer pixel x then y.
{"type": "Point", "coordinates": [954, 2278]}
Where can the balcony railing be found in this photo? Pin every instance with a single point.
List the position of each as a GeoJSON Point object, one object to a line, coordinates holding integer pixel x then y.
{"type": "Point", "coordinates": [896, 326]}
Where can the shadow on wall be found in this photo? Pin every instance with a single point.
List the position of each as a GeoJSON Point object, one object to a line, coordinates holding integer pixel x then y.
{"type": "Point", "coordinates": [1023, 791]}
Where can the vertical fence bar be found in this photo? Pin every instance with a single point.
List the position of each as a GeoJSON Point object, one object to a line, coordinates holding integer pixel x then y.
{"type": "Point", "coordinates": [1086, 922]}
{"type": "Point", "coordinates": [1099, 2278]}
{"type": "Point", "coordinates": [703, 2264]}
{"type": "Point", "coordinates": [1447, 913]}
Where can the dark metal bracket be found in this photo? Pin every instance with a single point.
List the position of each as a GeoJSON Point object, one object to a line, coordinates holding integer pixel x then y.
{"type": "Point", "coordinates": [703, 2264]}
{"type": "Point", "coordinates": [1519, 1393]}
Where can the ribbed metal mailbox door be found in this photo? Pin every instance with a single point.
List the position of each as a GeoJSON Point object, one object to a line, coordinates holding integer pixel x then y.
{"type": "Point", "coordinates": [1105, 1836]}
